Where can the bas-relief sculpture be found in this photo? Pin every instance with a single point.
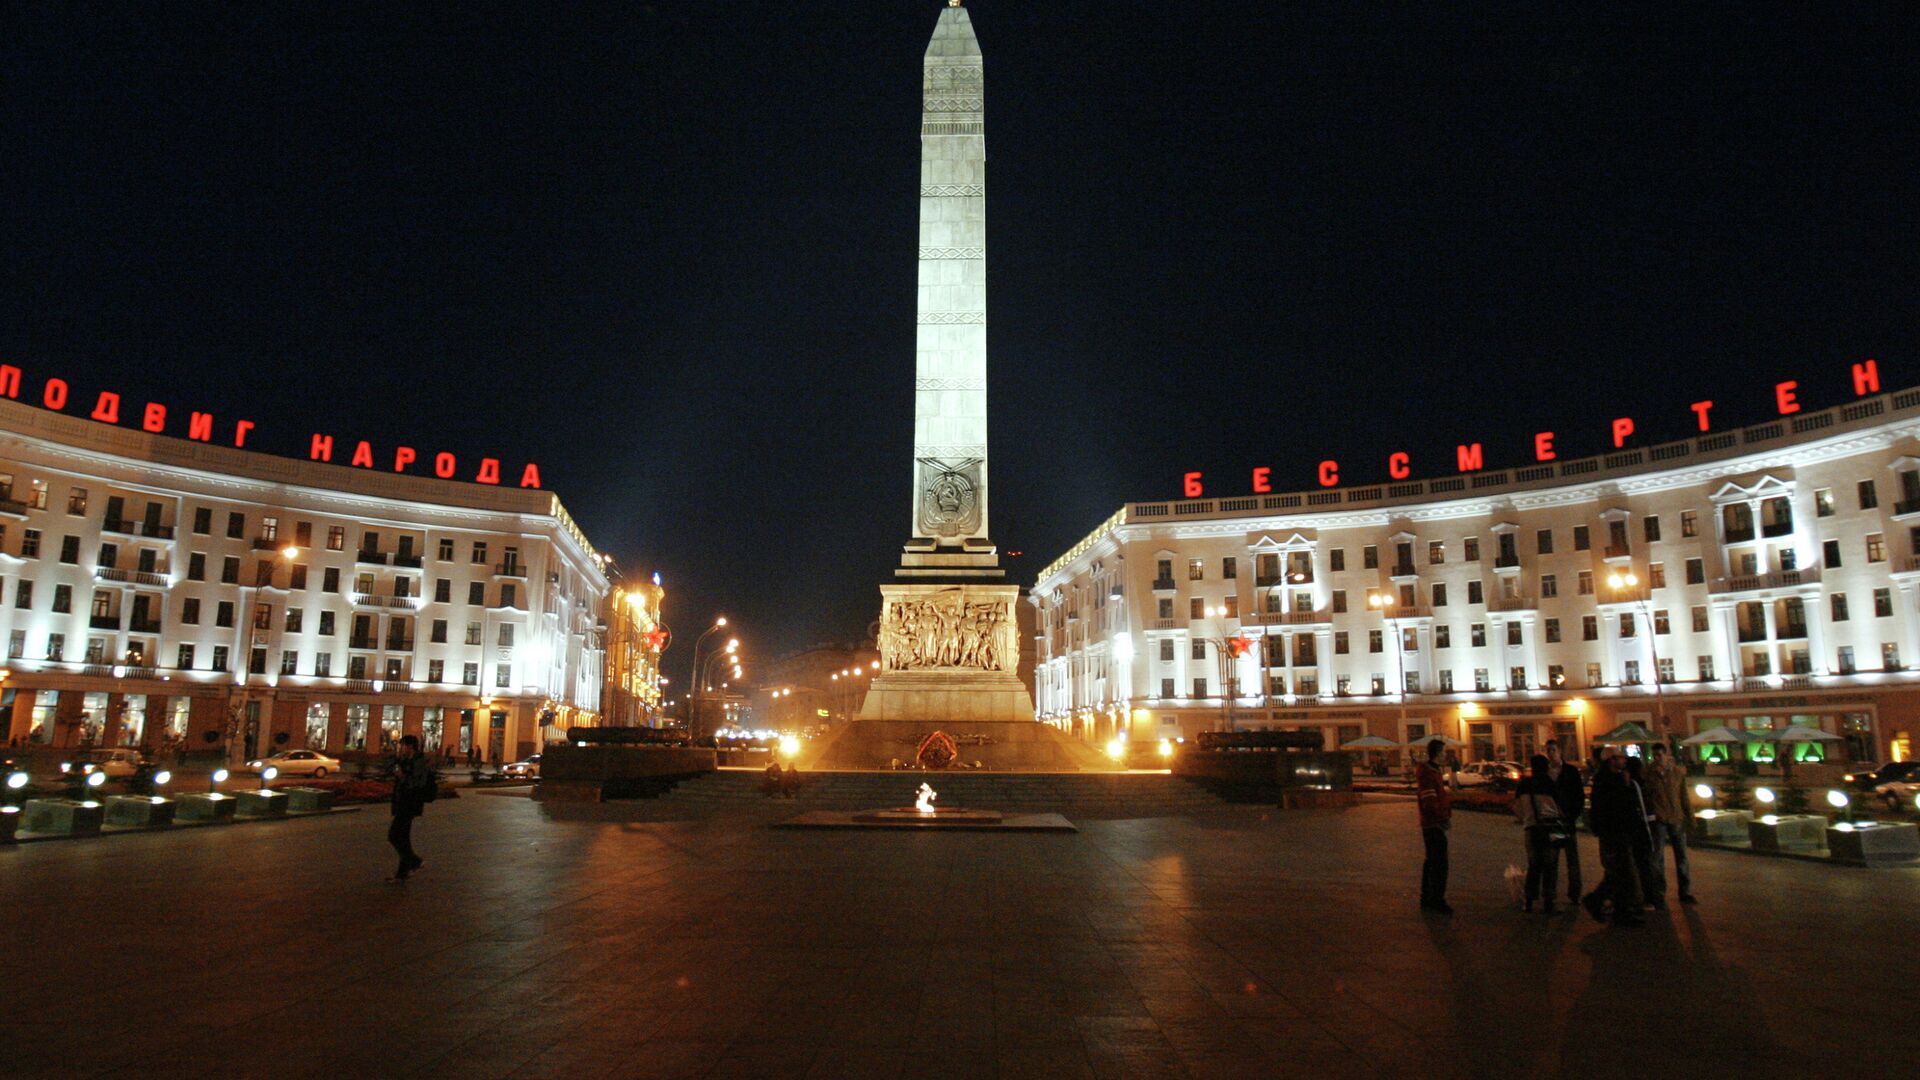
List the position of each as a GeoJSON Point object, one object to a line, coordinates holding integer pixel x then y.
{"type": "Point", "coordinates": [948, 630]}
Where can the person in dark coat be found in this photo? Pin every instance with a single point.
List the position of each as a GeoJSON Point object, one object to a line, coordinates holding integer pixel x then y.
{"type": "Point", "coordinates": [411, 776]}
{"type": "Point", "coordinates": [1641, 841]}
{"type": "Point", "coordinates": [1616, 816]}
{"type": "Point", "coordinates": [1535, 804]}
{"type": "Point", "coordinates": [1571, 792]}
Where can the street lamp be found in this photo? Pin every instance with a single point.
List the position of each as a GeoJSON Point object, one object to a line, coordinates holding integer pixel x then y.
{"type": "Point", "coordinates": [1228, 650]}
{"type": "Point", "coordinates": [693, 668]}
{"type": "Point", "coordinates": [1621, 583]}
{"type": "Point", "coordinates": [1383, 603]}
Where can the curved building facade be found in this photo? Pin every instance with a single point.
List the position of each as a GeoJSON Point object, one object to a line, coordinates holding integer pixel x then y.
{"type": "Point", "coordinates": [175, 595]}
{"type": "Point", "coordinates": [1756, 577]}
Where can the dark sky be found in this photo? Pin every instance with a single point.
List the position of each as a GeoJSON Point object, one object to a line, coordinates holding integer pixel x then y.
{"type": "Point", "coordinates": [667, 250]}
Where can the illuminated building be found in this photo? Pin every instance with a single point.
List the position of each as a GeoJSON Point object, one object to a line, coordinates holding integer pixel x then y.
{"type": "Point", "coordinates": [635, 637]}
{"type": "Point", "coordinates": [163, 592]}
{"type": "Point", "coordinates": [1767, 575]}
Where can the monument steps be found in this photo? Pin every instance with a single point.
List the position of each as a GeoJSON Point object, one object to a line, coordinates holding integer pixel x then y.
{"type": "Point", "coordinates": [1095, 795]}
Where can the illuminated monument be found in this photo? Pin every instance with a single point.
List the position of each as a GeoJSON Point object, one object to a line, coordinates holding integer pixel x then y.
{"type": "Point", "coordinates": [949, 635]}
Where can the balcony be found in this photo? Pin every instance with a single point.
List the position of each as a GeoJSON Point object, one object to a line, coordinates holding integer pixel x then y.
{"type": "Point", "coordinates": [1905, 507]}
{"type": "Point", "coordinates": [104, 622]}
{"type": "Point", "coordinates": [1286, 618]}
{"type": "Point", "coordinates": [133, 671]}
{"type": "Point", "coordinates": [359, 641]}
{"type": "Point", "coordinates": [14, 507]}
{"type": "Point", "coordinates": [1405, 569]}
{"type": "Point", "coordinates": [1164, 584]}
{"type": "Point", "coordinates": [1741, 535]}
{"type": "Point", "coordinates": [1166, 624]}
{"type": "Point", "coordinates": [375, 557]}
{"type": "Point", "coordinates": [396, 644]}
{"type": "Point", "coordinates": [1616, 551]}
{"type": "Point", "coordinates": [1506, 562]}
{"type": "Point", "coordinates": [144, 626]}
{"type": "Point", "coordinates": [1780, 579]}
{"type": "Point", "coordinates": [409, 562]}
{"type": "Point", "coordinates": [405, 603]}
{"type": "Point", "coordinates": [130, 577]}
{"type": "Point", "coordinates": [1792, 630]}
{"type": "Point", "coordinates": [1751, 634]}
{"type": "Point", "coordinates": [509, 569]}
{"type": "Point", "coordinates": [267, 543]}
{"type": "Point", "coordinates": [1513, 603]}
{"type": "Point", "coordinates": [362, 686]}
{"type": "Point", "coordinates": [1777, 528]}
{"type": "Point", "coordinates": [130, 527]}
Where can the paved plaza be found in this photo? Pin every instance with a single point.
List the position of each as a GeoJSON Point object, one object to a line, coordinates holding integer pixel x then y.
{"type": "Point", "coordinates": [643, 940]}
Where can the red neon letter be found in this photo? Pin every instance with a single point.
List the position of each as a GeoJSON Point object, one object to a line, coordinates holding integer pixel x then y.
{"type": "Point", "coordinates": [200, 426]}
{"type": "Point", "coordinates": [363, 455]}
{"type": "Point", "coordinates": [155, 418]}
{"type": "Point", "coordinates": [530, 476]}
{"type": "Point", "coordinates": [1191, 485]}
{"type": "Point", "coordinates": [1397, 466]}
{"type": "Point", "coordinates": [107, 409]}
{"type": "Point", "coordinates": [402, 458]}
{"type": "Point", "coordinates": [1783, 394]}
{"type": "Point", "coordinates": [9, 380]}
{"type": "Point", "coordinates": [1866, 379]}
{"type": "Point", "coordinates": [1261, 481]}
{"type": "Point", "coordinates": [443, 465]}
{"type": "Point", "coordinates": [322, 448]}
{"type": "Point", "coordinates": [240, 429]}
{"type": "Point", "coordinates": [55, 394]}
{"type": "Point", "coordinates": [1470, 457]}
{"type": "Point", "coordinates": [489, 471]}
{"type": "Point", "coordinates": [1543, 446]}
{"type": "Point", "coordinates": [1329, 473]}
{"type": "Point", "coordinates": [1622, 428]}
{"type": "Point", "coordinates": [1700, 408]}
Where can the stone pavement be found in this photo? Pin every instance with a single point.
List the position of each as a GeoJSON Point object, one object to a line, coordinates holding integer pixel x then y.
{"type": "Point", "coordinates": [639, 941]}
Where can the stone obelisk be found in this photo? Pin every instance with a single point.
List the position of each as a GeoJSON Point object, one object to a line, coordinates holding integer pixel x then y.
{"type": "Point", "coordinates": [949, 634]}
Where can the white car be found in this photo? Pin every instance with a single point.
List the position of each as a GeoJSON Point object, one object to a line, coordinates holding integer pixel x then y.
{"type": "Point", "coordinates": [117, 764]}
{"type": "Point", "coordinates": [1899, 794]}
{"type": "Point", "coordinates": [297, 763]}
{"type": "Point", "coordinates": [528, 769]}
{"type": "Point", "coordinates": [1488, 772]}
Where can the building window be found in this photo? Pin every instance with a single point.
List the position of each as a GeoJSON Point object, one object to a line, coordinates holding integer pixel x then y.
{"type": "Point", "coordinates": [1627, 627]}
{"type": "Point", "coordinates": [1581, 540]}
{"type": "Point", "coordinates": [479, 551]}
{"type": "Point", "coordinates": [1543, 541]}
{"type": "Point", "coordinates": [1470, 549]}
{"type": "Point", "coordinates": [289, 662]}
{"type": "Point", "coordinates": [236, 526]}
{"type": "Point", "coordinates": [477, 594]}
{"type": "Point", "coordinates": [1439, 594]}
{"type": "Point", "coordinates": [77, 501]}
{"type": "Point", "coordinates": [1480, 680]}
{"type": "Point", "coordinates": [23, 595]}
{"type": "Point", "coordinates": [1846, 660]}
{"type": "Point", "coordinates": [1552, 631]}
{"type": "Point", "coordinates": [439, 633]}
{"type": "Point", "coordinates": [1196, 608]}
{"type": "Point", "coordinates": [1231, 604]}
{"type": "Point", "coordinates": [1549, 586]}
{"type": "Point", "coordinates": [1477, 635]}
{"type": "Point", "coordinates": [1882, 603]}
{"type": "Point", "coordinates": [1651, 528]}
{"type": "Point", "coordinates": [1889, 656]}
{"type": "Point", "coordinates": [219, 658]}
{"type": "Point", "coordinates": [1700, 619]}
{"type": "Point", "coordinates": [323, 665]}
{"type": "Point", "coordinates": [230, 570]}
{"type": "Point", "coordinates": [223, 613]}
{"type": "Point", "coordinates": [1337, 559]}
{"type": "Point", "coordinates": [1200, 686]}
{"type": "Point", "coordinates": [1442, 636]}
{"type": "Point", "coordinates": [63, 600]}
{"type": "Point", "coordinates": [185, 660]}
{"type": "Point", "coordinates": [1476, 593]}
{"type": "Point", "coordinates": [1823, 502]}
{"type": "Point", "coordinates": [1838, 604]}
{"type": "Point", "coordinates": [506, 634]}
{"type": "Point", "coordinates": [1869, 497]}
{"type": "Point", "coordinates": [330, 579]}
{"type": "Point", "coordinates": [1370, 557]}
{"type": "Point", "coordinates": [190, 611]}
{"type": "Point", "coordinates": [1632, 676]}
{"type": "Point", "coordinates": [298, 579]}
{"type": "Point", "coordinates": [1340, 643]}
{"type": "Point", "coordinates": [336, 538]}
{"type": "Point", "coordinates": [473, 633]}
{"type": "Point", "coordinates": [1589, 628]}
{"type": "Point", "coordinates": [295, 617]}
{"type": "Point", "coordinates": [202, 520]}
{"type": "Point", "coordinates": [1830, 554]}
{"type": "Point", "coordinates": [70, 550]}
{"type": "Point", "coordinates": [1373, 641]}
{"type": "Point", "coordinates": [1696, 572]}
{"type": "Point", "coordinates": [1706, 669]}
{"type": "Point", "coordinates": [1436, 552]}
{"type": "Point", "coordinates": [30, 544]}
{"type": "Point", "coordinates": [1165, 607]}
{"type": "Point", "coordinates": [436, 670]}
{"type": "Point", "coordinates": [1229, 568]}
{"type": "Point", "coordinates": [1656, 575]}
{"type": "Point", "coordinates": [1876, 548]}
{"type": "Point", "coordinates": [1513, 634]}
{"type": "Point", "coordinates": [1517, 678]}
{"type": "Point", "coordinates": [1661, 624]}
{"type": "Point", "coordinates": [445, 550]}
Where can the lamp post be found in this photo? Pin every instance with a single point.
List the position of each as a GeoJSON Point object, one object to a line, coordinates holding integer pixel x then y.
{"type": "Point", "coordinates": [693, 670]}
{"type": "Point", "coordinates": [1383, 603]}
{"type": "Point", "coordinates": [1228, 650]}
{"type": "Point", "coordinates": [1627, 584]}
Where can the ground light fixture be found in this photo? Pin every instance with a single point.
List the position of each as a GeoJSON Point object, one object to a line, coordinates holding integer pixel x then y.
{"type": "Point", "coordinates": [94, 781]}
{"type": "Point", "coordinates": [213, 782]}
{"type": "Point", "coordinates": [1117, 748]}
{"type": "Point", "coordinates": [1842, 802]}
{"type": "Point", "coordinates": [16, 783]}
{"type": "Point", "coordinates": [267, 776]}
{"type": "Point", "coordinates": [789, 745]}
{"type": "Point", "coordinates": [1704, 792]}
{"type": "Point", "coordinates": [1166, 748]}
{"type": "Point", "coordinates": [1765, 796]}
{"type": "Point", "coordinates": [159, 780]}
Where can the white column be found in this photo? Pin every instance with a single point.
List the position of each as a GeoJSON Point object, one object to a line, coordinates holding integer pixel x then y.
{"type": "Point", "coordinates": [1730, 641]}
{"type": "Point", "coordinates": [1910, 649]}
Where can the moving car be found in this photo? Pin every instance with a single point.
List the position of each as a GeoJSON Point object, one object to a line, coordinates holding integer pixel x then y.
{"type": "Point", "coordinates": [528, 769]}
{"type": "Point", "coordinates": [117, 764]}
{"type": "Point", "coordinates": [297, 763]}
{"type": "Point", "coordinates": [1871, 779]}
{"type": "Point", "coordinates": [1899, 794]}
{"type": "Point", "coordinates": [1488, 772]}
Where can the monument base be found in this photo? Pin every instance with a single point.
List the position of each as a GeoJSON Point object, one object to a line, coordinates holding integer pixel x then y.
{"type": "Point", "coordinates": [998, 746]}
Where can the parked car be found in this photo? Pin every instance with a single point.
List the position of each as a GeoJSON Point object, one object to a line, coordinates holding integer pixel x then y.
{"type": "Point", "coordinates": [297, 763]}
{"type": "Point", "coordinates": [528, 769]}
{"type": "Point", "coordinates": [1899, 794]}
{"type": "Point", "coordinates": [1871, 779]}
{"type": "Point", "coordinates": [118, 764]}
{"type": "Point", "coordinates": [1496, 773]}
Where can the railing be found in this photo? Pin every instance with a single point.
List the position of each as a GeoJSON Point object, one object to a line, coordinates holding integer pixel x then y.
{"type": "Point", "coordinates": [362, 686]}
{"type": "Point", "coordinates": [1163, 583]}
{"type": "Point", "coordinates": [266, 543]}
{"type": "Point", "coordinates": [1512, 603]}
{"type": "Point", "coordinates": [376, 557]}
{"type": "Point", "coordinates": [1616, 551]}
{"type": "Point", "coordinates": [1792, 630]}
{"type": "Point", "coordinates": [411, 562]}
{"type": "Point", "coordinates": [1776, 528]}
{"type": "Point", "coordinates": [144, 626]}
{"type": "Point", "coordinates": [361, 599]}
{"type": "Point", "coordinates": [137, 577]}
{"type": "Point", "coordinates": [1264, 581]}
{"type": "Point", "coordinates": [1906, 506]}
{"type": "Point", "coordinates": [509, 569]}
{"type": "Point", "coordinates": [104, 622]}
{"type": "Point", "coordinates": [1797, 682]}
{"type": "Point", "coordinates": [1739, 536]}
{"type": "Point", "coordinates": [1756, 682]}
{"type": "Point", "coordinates": [1748, 635]}
{"type": "Point", "coordinates": [14, 507]}
{"type": "Point", "coordinates": [395, 644]}
{"type": "Point", "coordinates": [135, 672]}
{"type": "Point", "coordinates": [357, 642]}
{"type": "Point", "coordinates": [1165, 624]}
{"type": "Point", "coordinates": [1780, 579]}
{"type": "Point", "coordinates": [1405, 569]}
{"type": "Point", "coordinates": [137, 528]}
{"type": "Point", "coordinates": [1506, 562]}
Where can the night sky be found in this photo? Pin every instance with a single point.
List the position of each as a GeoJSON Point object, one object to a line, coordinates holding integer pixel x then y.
{"type": "Point", "coordinates": [667, 250]}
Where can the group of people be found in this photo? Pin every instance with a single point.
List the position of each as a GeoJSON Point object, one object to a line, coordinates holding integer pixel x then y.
{"type": "Point", "coordinates": [780, 782]}
{"type": "Point", "coordinates": [1636, 814]}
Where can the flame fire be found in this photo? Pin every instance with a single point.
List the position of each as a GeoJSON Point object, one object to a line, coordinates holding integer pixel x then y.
{"type": "Point", "coordinates": [924, 803]}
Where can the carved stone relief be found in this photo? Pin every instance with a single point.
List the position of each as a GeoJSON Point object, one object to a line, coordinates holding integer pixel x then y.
{"type": "Point", "coordinates": [947, 630]}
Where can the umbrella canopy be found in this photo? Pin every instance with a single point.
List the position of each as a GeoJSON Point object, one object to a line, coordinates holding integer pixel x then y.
{"type": "Point", "coordinates": [1628, 732]}
{"type": "Point", "coordinates": [1721, 734]}
{"type": "Point", "coordinates": [1370, 742]}
{"type": "Point", "coordinates": [1425, 739]}
{"type": "Point", "coordinates": [1797, 733]}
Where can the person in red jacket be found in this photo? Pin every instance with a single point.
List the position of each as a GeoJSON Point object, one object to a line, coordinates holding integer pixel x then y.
{"type": "Point", "coordinates": [1436, 815]}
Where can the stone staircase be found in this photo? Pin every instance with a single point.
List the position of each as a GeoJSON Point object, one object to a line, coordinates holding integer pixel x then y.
{"type": "Point", "coordinates": [1076, 795]}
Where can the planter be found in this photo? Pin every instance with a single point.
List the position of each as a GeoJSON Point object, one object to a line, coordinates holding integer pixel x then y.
{"type": "Point", "coordinates": [260, 804]}
{"type": "Point", "coordinates": [214, 807]}
{"type": "Point", "coordinates": [1721, 826]}
{"type": "Point", "coordinates": [1788, 832]}
{"type": "Point", "coordinates": [9, 823]}
{"type": "Point", "coordinates": [62, 817]}
{"type": "Point", "coordinates": [139, 811]}
{"type": "Point", "coordinates": [306, 800]}
{"type": "Point", "coordinates": [1873, 843]}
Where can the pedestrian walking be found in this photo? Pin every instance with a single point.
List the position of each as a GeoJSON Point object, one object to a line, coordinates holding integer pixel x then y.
{"type": "Point", "coordinates": [1666, 786]}
{"type": "Point", "coordinates": [1571, 793]}
{"type": "Point", "coordinates": [1641, 841]}
{"type": "Point", "coordinates": [413, 788]}
{"type": "Point", "coordinates": [1436, 817]}
{"type": "Point", "coordinates": [1536, 804]}
{"type": "Point", "coordinates": [1616, 816]}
